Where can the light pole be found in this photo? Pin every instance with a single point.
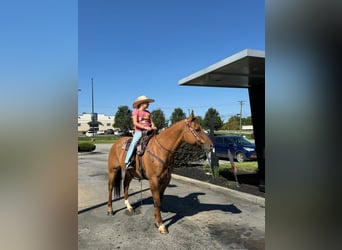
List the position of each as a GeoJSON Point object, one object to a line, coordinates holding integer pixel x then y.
{"type": "Point", "coordinates": [92, 107]}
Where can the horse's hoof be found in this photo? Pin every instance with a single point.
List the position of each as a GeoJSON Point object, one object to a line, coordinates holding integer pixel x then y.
{"type": "Point", "coordinates": [110, 213]}
{"type": "Point", "coordinates": [162, 229]}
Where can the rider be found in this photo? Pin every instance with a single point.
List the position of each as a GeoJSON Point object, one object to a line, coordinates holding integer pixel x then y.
{"type": "Point", "coordinates": [142, 121]}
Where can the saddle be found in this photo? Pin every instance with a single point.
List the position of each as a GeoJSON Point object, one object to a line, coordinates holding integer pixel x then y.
{"type": "Point", "coordinates": [140, 149]}
{"type": "Point", "coordinates": [141, 144]}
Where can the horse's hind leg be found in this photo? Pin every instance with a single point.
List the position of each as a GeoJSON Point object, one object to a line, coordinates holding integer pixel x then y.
{"type": "Point", "coordinates": [111, 178]}
{"type": "Point", "coordinates": [127, 181]}
{"type": "Point", "coordinates": [114, 182]}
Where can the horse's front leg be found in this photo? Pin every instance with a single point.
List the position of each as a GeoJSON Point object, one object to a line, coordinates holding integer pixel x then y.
{"type": "Point", "coordinates": [164, 183]}
{"type": "Point", "coordinates": [154, 186]}
{"type": "Point", "coordinates": [127, 181]}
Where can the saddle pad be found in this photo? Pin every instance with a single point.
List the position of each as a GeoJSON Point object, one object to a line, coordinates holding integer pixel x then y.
{"type": "Point", "coordinates": [125, 144]}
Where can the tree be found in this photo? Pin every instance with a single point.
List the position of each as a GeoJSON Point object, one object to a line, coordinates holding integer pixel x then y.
{"type": "Point", "coordinates": [123, 119]}
{"type": "Point", "coordinates": [158, 118]}
{"type": "Point", "coordinates": [247, 120]}
{"type": "Point", "coordinates": [200, 120]}
{"type": "Point", "coordinates": [177, 115]}
{"type": "Point", "coordinates": [233, 122]}
{"type": "Point", "coordinates": [213, 115]}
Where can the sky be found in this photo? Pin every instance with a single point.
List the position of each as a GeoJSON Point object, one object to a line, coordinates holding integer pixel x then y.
{"type": "Point", "coordinates": [132, 48]}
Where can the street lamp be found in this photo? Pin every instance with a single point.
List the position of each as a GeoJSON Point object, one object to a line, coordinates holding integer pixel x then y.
{"type": "Point", "coordinates": [92, 107]}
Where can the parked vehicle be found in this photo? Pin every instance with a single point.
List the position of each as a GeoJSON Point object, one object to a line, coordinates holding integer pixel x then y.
{"type": "Point", "coordinates": [109, 131]}
{"type": "Point", "coordinates": [241, 148]}
{"type": "Point", "coordinates": [90, 133]}
{"type": "Point", "coordinates": [119, 133]}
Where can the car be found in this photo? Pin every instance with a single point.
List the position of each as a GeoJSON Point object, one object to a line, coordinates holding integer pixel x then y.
{"type": "Point", "coordinates": [90, 133]}
{"type": "Point", "coordinates": [100, 132]}
{"type": "Point", "coordinates": [241, 148]}
{"type": "Point", "coordinates": [109, 131]}
{"type": "Point", "coordinates": [119, 133]}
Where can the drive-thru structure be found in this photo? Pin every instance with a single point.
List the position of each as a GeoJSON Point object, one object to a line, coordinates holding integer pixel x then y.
{"type": "Point", "coordinates": [245, 69]}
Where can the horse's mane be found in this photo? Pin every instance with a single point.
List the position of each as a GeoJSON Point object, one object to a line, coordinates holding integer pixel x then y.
{"type": "Point", "coordinates": [175, 124]}
{"type": "Point", "coordinates": [172, 125]}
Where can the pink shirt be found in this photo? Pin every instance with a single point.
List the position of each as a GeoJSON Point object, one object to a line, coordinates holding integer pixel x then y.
{"type": "Point", "coordinates": [144, 118]}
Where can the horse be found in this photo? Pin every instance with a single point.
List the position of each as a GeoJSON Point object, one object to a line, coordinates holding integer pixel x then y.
{"type": "Point", "coordinates": [156, 163]}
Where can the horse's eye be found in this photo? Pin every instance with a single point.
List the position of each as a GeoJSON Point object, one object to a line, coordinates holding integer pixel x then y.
{"type": "Point", "coordinates": [198, 129]}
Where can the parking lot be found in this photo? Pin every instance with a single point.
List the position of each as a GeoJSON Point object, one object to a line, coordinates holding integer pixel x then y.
{"type": "Point", "coordinates": [198, 215]}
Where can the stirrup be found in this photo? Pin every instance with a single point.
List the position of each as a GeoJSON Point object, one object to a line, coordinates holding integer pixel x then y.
{"type": "Point", "coordinates": [129, 166]}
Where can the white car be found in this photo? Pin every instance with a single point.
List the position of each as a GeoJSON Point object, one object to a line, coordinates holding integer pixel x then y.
{"type": "Point", "coordinates": [120, 133]}
{"type": "Point", "coordinates": [89, 133]}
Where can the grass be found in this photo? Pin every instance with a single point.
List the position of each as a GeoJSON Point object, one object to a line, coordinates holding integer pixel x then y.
{"type": "Point", "coordinates": [225, 168]}
{"type": "Point", "coordinates": [247, 166]}
{"type": "Point", "coordinates": [105, 139]}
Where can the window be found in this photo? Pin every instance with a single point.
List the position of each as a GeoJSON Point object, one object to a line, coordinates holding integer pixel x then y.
{"type": "Point", "coordinates": [218, 140]}
{"type": "Point", "coordinates": [227, 141]}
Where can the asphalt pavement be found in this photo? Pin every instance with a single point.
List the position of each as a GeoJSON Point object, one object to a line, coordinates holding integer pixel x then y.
{"type": "Point", "coordinates": [198, 215]}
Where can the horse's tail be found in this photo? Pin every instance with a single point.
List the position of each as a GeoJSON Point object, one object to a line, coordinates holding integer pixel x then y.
{"type": "Point", "coordinates": [117, 183]}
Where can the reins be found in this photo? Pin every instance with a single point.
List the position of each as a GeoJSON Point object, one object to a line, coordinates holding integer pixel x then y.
{"type": "Point", "coordinates": [168, 150]}
{"type": "Point", "coordinates": [192, 130]}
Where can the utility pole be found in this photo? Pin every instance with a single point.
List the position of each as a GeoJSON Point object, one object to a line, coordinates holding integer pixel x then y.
{"type": "Point", "coordinates": [241, 103]}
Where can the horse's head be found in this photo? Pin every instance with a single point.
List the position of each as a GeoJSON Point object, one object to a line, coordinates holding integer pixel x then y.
{"type": "Point", "coordinates": [195, 135]}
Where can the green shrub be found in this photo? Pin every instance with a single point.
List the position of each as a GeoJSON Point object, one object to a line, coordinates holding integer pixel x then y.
{"type": "Point", "coordinates": [186, 154]}
{"type": "Point", "coordinates": [86, 147]}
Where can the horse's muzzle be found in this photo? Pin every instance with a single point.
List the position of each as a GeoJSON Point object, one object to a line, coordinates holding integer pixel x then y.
{"type": "Point", "coordinates": [207, 147]}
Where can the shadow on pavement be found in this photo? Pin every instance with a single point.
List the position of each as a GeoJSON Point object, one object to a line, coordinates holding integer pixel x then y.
{"type": "Point", "coordinates": [187, 206]}
{"type": "Point", "coordinates": [105, 203]}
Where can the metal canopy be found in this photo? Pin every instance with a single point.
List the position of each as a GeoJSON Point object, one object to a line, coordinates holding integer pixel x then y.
{"type": "Point", "coordinates": [241, 70]}
{"type": "Point", "coordinates": [245, 69]}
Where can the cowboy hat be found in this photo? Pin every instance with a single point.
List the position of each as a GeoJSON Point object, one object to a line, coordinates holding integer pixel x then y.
{"type": "Point", "coordinates": [141, 99]}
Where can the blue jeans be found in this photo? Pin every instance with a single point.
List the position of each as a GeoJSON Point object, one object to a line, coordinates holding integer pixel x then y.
{"type": "Point", "coordinates": [137, 135]}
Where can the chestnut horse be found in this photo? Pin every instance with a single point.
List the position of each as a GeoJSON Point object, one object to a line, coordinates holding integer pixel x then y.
{"type": "Point", "coordinates": [156, 162]}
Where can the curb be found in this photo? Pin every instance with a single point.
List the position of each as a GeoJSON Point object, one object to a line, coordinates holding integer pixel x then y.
{"type": "Point", "coordinates": [248, 197]}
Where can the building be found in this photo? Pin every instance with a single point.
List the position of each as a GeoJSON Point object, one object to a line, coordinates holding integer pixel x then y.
{"type": "Point", "coordinates": [105, 122]}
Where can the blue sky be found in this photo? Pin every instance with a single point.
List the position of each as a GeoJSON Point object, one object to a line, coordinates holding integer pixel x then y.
{"type": "Point", "coordinates": [133, 47]}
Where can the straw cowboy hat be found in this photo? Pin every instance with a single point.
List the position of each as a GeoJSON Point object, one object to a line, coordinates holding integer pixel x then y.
{"type": "Point", "coordinates": [141, 99]}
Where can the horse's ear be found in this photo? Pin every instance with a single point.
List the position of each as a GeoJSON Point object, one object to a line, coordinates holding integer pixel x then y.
{"type": "Point", "coordinates": [192, 116]}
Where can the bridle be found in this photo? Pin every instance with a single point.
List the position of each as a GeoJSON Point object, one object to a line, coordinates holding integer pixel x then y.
{"type": "Point", "coordinates": [193, 131]}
